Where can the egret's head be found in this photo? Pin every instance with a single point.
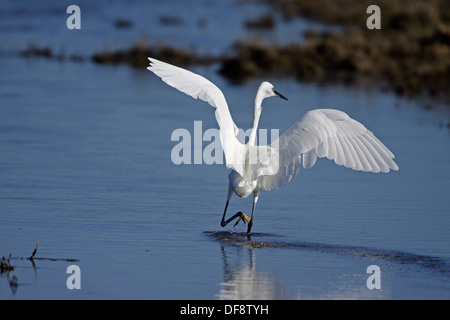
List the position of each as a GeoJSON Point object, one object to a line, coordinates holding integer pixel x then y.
{"type": "Point", "coordinates": [268, 90]}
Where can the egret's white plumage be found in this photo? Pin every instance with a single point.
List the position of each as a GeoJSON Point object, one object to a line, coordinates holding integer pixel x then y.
{"type": "Point", "coordinates": [333, 134]}
{"type": "Point", "coordinates": [319, 133]}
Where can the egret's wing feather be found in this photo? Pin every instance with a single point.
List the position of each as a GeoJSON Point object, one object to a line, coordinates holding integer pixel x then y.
{"type": "Point", "coordinates": [198, 87]}
{"type": "Point", "coordinates": [328, 133]}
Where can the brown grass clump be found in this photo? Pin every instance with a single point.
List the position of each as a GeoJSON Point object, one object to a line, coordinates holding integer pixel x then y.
{"type": "Point", "coordinates": [410, 53]}
{"type": "Point", "coordinates": [137, 56]}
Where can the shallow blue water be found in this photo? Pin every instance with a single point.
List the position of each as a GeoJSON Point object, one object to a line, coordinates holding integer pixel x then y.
{"type": "Point", "coordinates": [85, 167]}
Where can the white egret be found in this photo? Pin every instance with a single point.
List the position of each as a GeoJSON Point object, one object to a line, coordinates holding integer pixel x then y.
{"type": "Point", "coordinates": [319, 133]}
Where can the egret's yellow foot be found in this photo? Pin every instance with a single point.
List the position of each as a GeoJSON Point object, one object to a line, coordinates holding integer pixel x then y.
{"type": "Point", "coordinates": [243, 217]}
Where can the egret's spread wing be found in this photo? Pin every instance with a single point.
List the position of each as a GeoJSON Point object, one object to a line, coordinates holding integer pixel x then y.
{"type": "Point", "coordinates": [332, 134]}
{"type": "Point", "coordinates": [200, 88]}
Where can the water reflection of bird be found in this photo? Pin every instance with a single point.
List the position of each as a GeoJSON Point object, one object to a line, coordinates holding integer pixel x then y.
{"type": "Point", "coordinates": [319, 133]}
{"type": "Point", "coordinates": [243, 281]}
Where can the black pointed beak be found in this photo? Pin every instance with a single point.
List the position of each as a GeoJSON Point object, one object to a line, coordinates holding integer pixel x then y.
{"type": "Point", "coordinates": [279, 95]}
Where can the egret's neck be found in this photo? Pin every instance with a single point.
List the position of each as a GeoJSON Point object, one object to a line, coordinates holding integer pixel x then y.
{"type": "Point", "coordinates": [257, 113]}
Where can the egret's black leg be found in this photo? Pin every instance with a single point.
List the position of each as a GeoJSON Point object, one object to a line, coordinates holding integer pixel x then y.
{"type": "Point", "coordinates": [250, 224]}
{"type": "Point", "coordinates": [255, 199]}
{"type": "Point", "coordinates": [223, 223]}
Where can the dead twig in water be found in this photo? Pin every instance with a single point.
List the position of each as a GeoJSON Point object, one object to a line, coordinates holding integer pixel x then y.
{"type": "Point", "coordinates": [34, 252]}
{"type": "Point", "coordinates": [6, 265]}
{"type": "Point", "coordinates": [33, 257]}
